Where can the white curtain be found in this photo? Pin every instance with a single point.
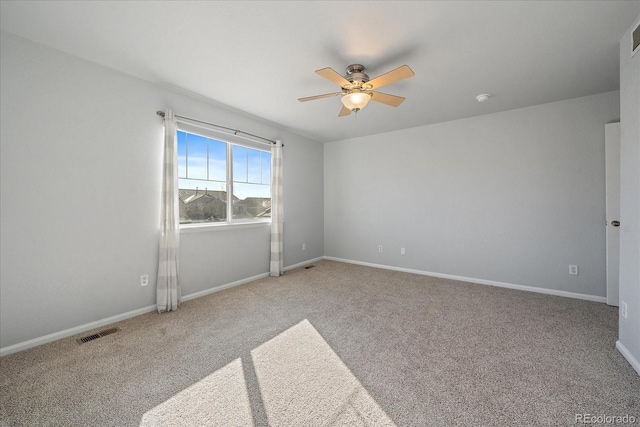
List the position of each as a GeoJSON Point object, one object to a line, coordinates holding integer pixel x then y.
{"type": "Point", "coordinates": [277, 261]}
{"type": "Point", "coordinates": [168, 286]}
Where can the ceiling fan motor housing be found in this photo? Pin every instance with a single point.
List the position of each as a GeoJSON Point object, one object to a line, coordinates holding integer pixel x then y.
{"type": "Point", "coordinates": [355, 73]}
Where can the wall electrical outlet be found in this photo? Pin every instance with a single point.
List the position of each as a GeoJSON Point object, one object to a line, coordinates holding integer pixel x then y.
{"type": "Point", "coordinates": [623, 309]}
{"type": "Point", "coordinates": [304, 246]}
{"type": "Point", "coordinates": [144, 280]}
{"type": "Point", "coordinates": [402, 251]}
{"type": "Point", "coordinates": [573, 269]}
{"type": "Point", "coordinates": [380, 248]}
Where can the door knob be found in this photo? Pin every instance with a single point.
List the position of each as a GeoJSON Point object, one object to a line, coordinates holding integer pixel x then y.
{"type": "Point", "coordinates": [615, 223]}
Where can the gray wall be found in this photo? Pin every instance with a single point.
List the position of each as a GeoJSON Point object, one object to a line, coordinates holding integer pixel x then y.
{"type": "Point", "coordinates": [512, 197]}
{"type": "Point", "coordinates": [629, 331]}
{"type": "Point", "coordinates": [81, 150]}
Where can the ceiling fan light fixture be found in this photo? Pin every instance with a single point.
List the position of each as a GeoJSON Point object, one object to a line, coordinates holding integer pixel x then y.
{"type": "Point", "coordinates": [356, 101]}
{"type": "Point", "coordinates": [357, 89]}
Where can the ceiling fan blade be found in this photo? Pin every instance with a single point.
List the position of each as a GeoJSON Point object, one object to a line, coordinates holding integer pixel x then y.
{"type": "Point", "coordinates": [344, 112]}
{"type": "Point", "coordinates": [331, 74]}
{"type": "Point", "coordinates": [326, 95]}
{"type": "Point", "coordinates": [385, 98]}
{"type": "Point", "coordinates": [392, 76]}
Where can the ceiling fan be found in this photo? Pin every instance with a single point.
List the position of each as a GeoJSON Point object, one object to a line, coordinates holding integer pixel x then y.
{"type": "Point", "coordinates": [358, 89]}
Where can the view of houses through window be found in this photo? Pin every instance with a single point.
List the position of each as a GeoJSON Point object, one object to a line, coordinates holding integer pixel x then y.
{"type": "Point", "coordinates": [217, 179]}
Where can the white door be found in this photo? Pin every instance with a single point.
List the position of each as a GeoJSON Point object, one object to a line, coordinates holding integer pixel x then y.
{"type": "Point", "coordinates": [612, 167]}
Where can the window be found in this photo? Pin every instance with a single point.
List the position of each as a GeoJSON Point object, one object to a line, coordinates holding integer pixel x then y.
{"type": "Point", "coordinates": [222, 182]}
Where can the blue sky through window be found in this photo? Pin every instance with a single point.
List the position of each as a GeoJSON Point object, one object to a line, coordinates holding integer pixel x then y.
{"type": "Point", "coordinates": [202, 163]}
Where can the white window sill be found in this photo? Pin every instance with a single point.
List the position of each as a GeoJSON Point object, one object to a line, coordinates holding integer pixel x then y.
{"type": "Point", "coordinates": [206, 227]}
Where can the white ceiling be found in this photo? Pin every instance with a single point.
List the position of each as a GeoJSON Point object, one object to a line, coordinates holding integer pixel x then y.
{"type": "Point", "coordinates": [260, 57]}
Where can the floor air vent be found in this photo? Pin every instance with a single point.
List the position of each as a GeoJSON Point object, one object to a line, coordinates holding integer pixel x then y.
{"type": "Point", "coordinates": [97, 335]}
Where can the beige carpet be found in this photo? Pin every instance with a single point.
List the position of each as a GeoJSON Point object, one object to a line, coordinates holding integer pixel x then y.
{"type": "Point", "coordinates": [336, 344]}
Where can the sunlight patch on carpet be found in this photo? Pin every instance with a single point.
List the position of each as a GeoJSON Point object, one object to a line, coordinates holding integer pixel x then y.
{"type": "Point", "coordinates": [304, 382]}
{"type": "Point", "coordinates": [219, 399]}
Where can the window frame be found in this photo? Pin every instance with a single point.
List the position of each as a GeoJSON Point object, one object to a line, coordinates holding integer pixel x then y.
{"type": "Point", "coordinates": [230, 140]}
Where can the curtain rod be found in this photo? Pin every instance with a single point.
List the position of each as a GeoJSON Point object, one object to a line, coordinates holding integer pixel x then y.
{"type": "Point", "coordinates": [235, 131]}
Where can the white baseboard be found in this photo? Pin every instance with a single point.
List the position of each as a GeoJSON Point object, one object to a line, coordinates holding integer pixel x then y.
{"type": "Point", "coordinates": [73, 331]}
{"type": "Point", "coordinates": [4, 351]}
{"type": "Point", "coordinates": [479, 281]}
{"type": "Point", "coordinates": [627, 355]}
{"type": "Point", "coordinates": [243, 281]}
{"type": "Point", "coordinates": [222, 287]}
{"type": "Point", "coordinates": [113, 319]}
{"type": "Point", "coordinates": [303, 263]}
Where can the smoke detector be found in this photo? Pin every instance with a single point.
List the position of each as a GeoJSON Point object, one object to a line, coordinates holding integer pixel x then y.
{"type": "Point", "coordinates": [483, 97]}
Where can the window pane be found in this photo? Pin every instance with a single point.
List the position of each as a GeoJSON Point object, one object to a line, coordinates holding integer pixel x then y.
{"type": "Point", "coordinates": [266, 168]}
{"type": "Point", "coordinates": [251, 201]}
{"type": "Point", "coordinates": [217, 160]}
{"type": "Point", "coordinates": [203, 183]}
{"type": "Point", "coordinates": [182, 154]}
{"type": "Point", "coordinates": [239, 163]}
{"type": "Point", "coordinates": [254, 170]}
{"type": "Point", "coordinates": [196, 157]}
{"type": "Point", "coordinates": [202, 201]}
